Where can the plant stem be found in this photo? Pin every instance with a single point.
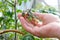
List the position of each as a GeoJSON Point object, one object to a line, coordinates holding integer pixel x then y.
{"type": "Point", "coordinates": [5, 31]}
{"type": "Point", "coordinates": [15, 19]}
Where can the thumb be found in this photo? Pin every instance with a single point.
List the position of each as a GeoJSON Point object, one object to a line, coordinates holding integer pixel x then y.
{"type": "Point", "coordinates": [49, 30]}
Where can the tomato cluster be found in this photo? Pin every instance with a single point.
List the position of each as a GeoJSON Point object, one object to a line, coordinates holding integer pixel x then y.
{"type": "Point", "coordinates": [30, 18]}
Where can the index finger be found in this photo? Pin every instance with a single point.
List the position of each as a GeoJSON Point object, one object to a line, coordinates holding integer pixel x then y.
{"type": "Point", "coordinates": [39, 16]}
{"type": "Point", "coordinates": [26, 25]}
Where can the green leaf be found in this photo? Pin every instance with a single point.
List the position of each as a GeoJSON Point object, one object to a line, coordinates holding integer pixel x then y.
{"type": "Point", "coordinates": [1, 4]}
{"type": "Point", "coordinates": [1, 18]}
{"type": "Point", "coordinates": [8, 13]}
{"type": "Point", "coordinates": [25, 1]}
{"type": "Point", "coordinates": [20, 2]}
{"type": "Point", "coordinates": [19, 10]}
{"type": "Point", "coordinates": [1, 37]}
{"type": "Point", "coordinates": [28, 37]}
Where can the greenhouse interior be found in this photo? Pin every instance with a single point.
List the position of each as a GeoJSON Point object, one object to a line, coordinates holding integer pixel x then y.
{"type": "Point", "coordinates": [29, 19]}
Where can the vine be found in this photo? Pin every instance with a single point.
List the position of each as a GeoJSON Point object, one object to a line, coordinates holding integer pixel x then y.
{"type": "Point", "coordinates": [16, 31]}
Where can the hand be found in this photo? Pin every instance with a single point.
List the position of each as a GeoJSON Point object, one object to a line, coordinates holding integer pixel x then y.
{"type": "Point", "coordinates": [50, 25]}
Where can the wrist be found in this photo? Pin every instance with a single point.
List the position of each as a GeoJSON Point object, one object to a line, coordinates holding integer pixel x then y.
{"type": "Point", "coordinates": [58, 36]}
{"type": "Point", "coordinates": [58, 33]}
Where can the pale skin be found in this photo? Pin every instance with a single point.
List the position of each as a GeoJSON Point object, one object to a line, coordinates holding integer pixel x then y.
{"type": "Point", "coordinates": [50, 26]}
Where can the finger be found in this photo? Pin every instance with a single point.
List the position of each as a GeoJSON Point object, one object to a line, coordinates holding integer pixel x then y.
{"type": "Point", "coordinates": [46, 17]}
{"type": "Point", "coordinates": [19, 15]}
{"type": "Point", "coordinates": [39, 16]}
{"type": "Point", "coordinates": [26, 25]}
{"type": "Point", "coordinates": [39, 24]}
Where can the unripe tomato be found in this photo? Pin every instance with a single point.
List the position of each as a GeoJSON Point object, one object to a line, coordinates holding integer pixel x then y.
{"type": "Point", "coordinates": [30, 19]}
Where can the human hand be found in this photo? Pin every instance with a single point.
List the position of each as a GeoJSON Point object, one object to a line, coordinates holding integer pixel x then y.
{"type": "Point", "coordinates": [50, 25]}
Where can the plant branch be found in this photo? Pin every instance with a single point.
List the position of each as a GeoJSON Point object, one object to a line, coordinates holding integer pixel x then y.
{"type": "Point", "coordinates": [16, 31]}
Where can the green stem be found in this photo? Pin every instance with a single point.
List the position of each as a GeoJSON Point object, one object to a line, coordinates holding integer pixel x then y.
{"type": "Point", "coordinates": [15, 19]}
{"type": "Point", "coordinates": [33, 4]}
